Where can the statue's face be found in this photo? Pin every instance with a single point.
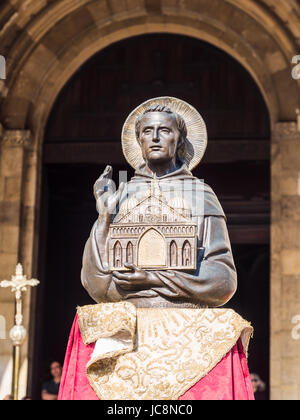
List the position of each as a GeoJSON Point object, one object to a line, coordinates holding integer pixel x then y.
{"type": "Point", "coordinates": [159, 137]}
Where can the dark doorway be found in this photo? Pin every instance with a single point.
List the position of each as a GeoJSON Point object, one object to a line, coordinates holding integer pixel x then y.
{"type": "Point", "coordinates": [251, 302]}
{"type": "Point", "coordinates": [83, 135]}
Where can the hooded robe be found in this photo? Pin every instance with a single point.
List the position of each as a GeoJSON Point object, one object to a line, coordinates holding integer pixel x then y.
{"type": "Point", "coordinates": [213, 282]}
{"type": "Point", "coordinates": [166, 342]}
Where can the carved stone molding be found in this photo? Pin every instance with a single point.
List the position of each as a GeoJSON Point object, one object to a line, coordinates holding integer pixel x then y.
{"type": "Point", "coordinates": [16, 138]}
{"type": "Point", "coordinates": [286, 130]}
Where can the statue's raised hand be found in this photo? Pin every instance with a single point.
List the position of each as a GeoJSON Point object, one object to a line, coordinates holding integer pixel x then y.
{"type": "Point", "coordinates": [105, 192]}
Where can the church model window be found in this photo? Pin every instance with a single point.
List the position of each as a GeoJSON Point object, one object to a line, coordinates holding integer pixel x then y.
{"type": "Point", "coordinates": [129, 253]}
{"type": "Point", "coordinates": [118, 255]}
{"type": "Point", "coordinates": [186, 254]}
{"type": "Point", "coordinates": [173, 254]}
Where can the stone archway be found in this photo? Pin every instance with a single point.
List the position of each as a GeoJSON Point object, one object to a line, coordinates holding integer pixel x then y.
{"type": "Point", "coordinates": [46, 43]}
{"type": "Point", "coordinates": [42, 65]}
{"type": "Point", "coordinates": [156, 252]}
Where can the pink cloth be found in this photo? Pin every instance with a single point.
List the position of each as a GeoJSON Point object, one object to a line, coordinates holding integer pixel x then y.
{"type": "Point", "coordinates": [229, 380]}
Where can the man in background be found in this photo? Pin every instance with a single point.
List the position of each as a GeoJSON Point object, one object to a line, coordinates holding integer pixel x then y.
{"type": "Point", "coordinates": [50, 389]}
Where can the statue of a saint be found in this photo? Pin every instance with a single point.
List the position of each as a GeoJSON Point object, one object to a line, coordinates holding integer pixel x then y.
{"type": "Point", "coordinates": [172, 265]}
{"type": "Point", "coordinates": [160, 137]}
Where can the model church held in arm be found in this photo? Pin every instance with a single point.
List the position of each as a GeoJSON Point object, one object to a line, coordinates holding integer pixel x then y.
{"type": "Point", "coordinates": [153, 233]}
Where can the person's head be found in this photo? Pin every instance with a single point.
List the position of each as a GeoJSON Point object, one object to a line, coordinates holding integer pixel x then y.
{"type": "Point", "coordinates": [161, 134]}
{"type": "Point", "coordinates": [55, 369]}
{"type": "Point", "coordinates": [257, 384]}
{"type": "Point", "coordinates": [8, 397]}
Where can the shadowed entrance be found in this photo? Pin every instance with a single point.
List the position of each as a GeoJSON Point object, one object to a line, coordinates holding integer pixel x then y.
{"type": "Point", "coordinates": [83, 134]}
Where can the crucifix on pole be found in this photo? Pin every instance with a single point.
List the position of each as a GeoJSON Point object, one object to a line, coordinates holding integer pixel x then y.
{"type": "Point", "coordinates": [17, 334]}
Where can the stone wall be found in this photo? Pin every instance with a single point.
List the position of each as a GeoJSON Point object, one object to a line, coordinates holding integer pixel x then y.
{"type": "Point", "coordinates": [14, 147]}
{"type": "Point", "coordinates": [285, 261]}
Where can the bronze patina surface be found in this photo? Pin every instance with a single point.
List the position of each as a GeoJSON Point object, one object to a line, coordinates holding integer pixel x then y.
{"type": "Point", "coordinates": [167, 244]}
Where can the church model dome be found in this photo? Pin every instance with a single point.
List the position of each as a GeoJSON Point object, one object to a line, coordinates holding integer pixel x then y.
{"type": "Point", "coordinates": [180, 205]}
{"type": "Point", "coordinates": [128, 205]}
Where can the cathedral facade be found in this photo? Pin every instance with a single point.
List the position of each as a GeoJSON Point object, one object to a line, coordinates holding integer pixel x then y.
{"type": "Point", "coordinates": [151, 232]}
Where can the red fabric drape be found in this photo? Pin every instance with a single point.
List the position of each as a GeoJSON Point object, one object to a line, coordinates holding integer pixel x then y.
{"type": "Point", "coordinates": [229, 380]}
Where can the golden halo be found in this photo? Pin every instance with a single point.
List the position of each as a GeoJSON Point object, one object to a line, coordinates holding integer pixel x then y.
{"type": "Point", "coordinates": [196, 131]}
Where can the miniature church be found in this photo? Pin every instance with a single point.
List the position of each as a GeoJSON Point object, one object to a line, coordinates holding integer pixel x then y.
{"type": "Point", "coordinates": [153, 234]}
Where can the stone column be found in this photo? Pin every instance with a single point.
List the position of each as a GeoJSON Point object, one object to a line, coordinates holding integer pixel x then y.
{"type": "Point", "coordinates": [285, 263]}
{"type": "Point", "coordinates": [13, 147]}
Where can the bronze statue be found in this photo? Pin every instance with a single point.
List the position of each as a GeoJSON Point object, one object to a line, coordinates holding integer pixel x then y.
{"type": "Point", "coordinates": [165, 160]}
{"type": "Point", "coordinates": [158, 263]}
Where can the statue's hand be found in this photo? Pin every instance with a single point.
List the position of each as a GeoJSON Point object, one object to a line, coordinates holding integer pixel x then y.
{"type": "Point", "coordinates": [139, 279]}
{"type": "Point", "coordinates": [104, 193]}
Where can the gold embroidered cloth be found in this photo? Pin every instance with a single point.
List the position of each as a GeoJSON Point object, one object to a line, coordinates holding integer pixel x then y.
{"type": "Point", "coordinates": [155, 353]}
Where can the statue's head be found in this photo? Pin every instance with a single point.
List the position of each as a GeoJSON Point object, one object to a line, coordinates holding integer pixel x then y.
{"type": "Point", "coordinates": [164, 132]}
{"type": "Point", "coordinates": [161, 134]}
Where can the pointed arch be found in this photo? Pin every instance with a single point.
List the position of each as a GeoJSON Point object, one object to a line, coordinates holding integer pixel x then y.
{"type": "Point", "coordinates": [173, 254]}
{"type": "Point", "coordinates": [129, 253]}
{"type": "Point", "coordinates": [118, 260]}
{"type": "Point", "coordinates": [152, 249]}
{"type": "Point", "coordinates": [186, 254]}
